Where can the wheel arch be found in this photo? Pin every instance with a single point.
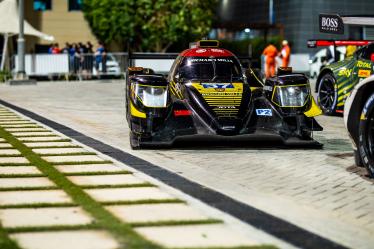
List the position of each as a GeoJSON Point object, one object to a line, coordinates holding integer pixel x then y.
{"type": "Point", "coordinates": [360, 98]}
{"type": "Point", "coordinates": [323, 72]}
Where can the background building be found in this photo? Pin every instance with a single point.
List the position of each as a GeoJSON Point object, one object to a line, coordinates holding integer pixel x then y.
{"type": "Point", "coordinates": [297, 20]}
{"type": "Point", "coordinates": [61, 18]}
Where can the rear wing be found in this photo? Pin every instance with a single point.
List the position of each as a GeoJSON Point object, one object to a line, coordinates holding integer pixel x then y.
{"type": "Point", "coordinates": [337, 43]}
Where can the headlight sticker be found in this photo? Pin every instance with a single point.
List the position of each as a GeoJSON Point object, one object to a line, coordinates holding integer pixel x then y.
{"type": "Point", "coordinates": [264, 112]}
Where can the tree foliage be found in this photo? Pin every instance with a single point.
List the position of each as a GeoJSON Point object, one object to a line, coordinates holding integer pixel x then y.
{"type": "Point", "coordinates": [149, 25]}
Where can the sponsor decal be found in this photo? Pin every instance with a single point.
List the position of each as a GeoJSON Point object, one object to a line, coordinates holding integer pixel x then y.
{"type": "Point", "coordinates": [364, 73]}
{"type": "Point", "coordinates": [264, 112]}
{"type": "Point", "coordinates": [210, 60]}
{"type": "Point", "coordinates": [332, 24]}
{"type": "Point", "coordinates": [364, 64]}
{"type": "Point", "coordinates": [201, 51]}
{"type": "Point", "coordinates": [345, 72]}
{"type": "Point", "coordinates": [218, 85]}
{"type": "Point", "coordinates": [216, 50]}
{"type": "Point", "coordinates": [226, 107]}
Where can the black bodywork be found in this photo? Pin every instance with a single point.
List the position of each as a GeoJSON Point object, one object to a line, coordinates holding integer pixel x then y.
{"type": "Point", "coordinates": [222, 105]}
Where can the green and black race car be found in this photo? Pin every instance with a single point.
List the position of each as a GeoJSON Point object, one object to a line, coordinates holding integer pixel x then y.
{"type": "Point", "coordinates": [336, 81]}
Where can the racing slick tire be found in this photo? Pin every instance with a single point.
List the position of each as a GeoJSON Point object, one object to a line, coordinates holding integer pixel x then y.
{"type": "Point", "coordinates": [358, 159]}
{"type": "Point", "coordinates": [327, 95]}
{"type": "Point", "coordinates": [134, 141]}
{"type": "Point", "coordinates": [366, 136]}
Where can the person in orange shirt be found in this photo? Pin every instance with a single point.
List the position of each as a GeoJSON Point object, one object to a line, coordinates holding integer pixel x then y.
{"type": "Point", "coordinates": [271, 53]}
{"type": "Point", "coordinates": [285, 53]}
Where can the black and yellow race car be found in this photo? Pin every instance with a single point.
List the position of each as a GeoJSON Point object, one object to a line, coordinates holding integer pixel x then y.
{"type": "Point", "coordinates": [336, 81]}
{"type": "Point", "coordinates": [207, 92]}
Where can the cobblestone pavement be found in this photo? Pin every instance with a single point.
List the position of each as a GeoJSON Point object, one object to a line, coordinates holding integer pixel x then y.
{"type": "Point", "coordinates": [314, 189]}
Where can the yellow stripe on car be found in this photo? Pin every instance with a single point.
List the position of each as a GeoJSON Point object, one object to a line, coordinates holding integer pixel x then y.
{"type": "Point", "coordinates": [135, 112]}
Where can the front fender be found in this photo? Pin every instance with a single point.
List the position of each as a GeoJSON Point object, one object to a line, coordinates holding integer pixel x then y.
{"type": "Point", "coordinates": [353, 107]}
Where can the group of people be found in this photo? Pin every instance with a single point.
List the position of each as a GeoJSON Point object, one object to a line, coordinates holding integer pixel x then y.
{"type": "Point", "coordinates": [82, 57]}
{"type": "Point", "coordinates": [271, 53]}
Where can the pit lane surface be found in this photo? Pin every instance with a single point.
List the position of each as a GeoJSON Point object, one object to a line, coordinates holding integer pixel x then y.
{"type": "Point", "coordinates": [312, 189]}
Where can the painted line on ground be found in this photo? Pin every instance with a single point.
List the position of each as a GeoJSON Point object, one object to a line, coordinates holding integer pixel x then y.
{"type": "Point", "coordinates": [280, 228]}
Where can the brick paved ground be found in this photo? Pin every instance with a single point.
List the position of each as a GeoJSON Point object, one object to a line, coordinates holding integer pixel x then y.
{"type": "Point", "coordinates": [316, 189]}
{"type": "Point", "coordinates": [42, 203]}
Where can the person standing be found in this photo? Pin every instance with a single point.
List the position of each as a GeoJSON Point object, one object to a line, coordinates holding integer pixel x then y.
{"type": "Point", "coordinates": [56, 49]}
{"type": "Point", "coordinates": [285, 53]}
{"type": "Point", "coordinates": [271, 52]}
{"type": "Point", "coordinates": [100, 58]}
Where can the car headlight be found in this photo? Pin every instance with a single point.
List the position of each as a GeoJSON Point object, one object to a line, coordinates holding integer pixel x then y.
{"type": "Point", "coordinates": [150, 96]}
{"type": "Point", "coordinates": [291, 96]}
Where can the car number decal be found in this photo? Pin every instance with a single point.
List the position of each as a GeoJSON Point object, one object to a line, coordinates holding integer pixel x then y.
{"type": "Point", "coordinates": [217, 85]}
{"type": "Point", "coordinates": [264, 112]}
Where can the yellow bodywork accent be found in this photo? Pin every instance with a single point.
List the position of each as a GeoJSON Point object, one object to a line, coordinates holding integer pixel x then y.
{"type": "Point", "coordinates": [314, 110]}
{"type": "Point", "coordinates": [226, 101]}
{"type": "Point", "coordinates": [135, 112]}
{"type": "Point", "coordinates": [344, 96]}
{"type": "Point", "coordinates": [362, 117]}
{"type": "Point", "coordinates": [253, 88]}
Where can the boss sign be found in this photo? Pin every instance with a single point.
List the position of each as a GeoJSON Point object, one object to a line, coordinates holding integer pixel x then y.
{"type": "Point", "coordinates": [332, 24]}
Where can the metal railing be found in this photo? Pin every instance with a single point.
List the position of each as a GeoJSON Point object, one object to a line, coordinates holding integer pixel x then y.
{"type": "Point", "coordinates": [93, 66]}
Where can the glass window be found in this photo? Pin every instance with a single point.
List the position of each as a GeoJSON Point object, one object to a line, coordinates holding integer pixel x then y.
{"type": "Point", "coordinates": [75, 5]}
{"type": "Point", "coordinates": [210, 69]}
{"type": "Point", "coordinates": [42, 5]}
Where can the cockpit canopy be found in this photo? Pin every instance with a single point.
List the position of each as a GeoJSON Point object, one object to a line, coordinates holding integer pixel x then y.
{"type": "Point", "coordinates": [210, 69]}
{"type": "Point", "coordinates": [206, 62]}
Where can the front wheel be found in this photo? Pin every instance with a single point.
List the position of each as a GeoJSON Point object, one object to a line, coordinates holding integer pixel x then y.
{"type": "Point", "coordinates": [327, 95]}
{"type": "Point", "coordinates": [366, 135]}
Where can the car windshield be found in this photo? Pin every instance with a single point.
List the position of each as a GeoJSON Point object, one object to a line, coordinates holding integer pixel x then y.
{"type": "Point", "coordinates": [210, 69]}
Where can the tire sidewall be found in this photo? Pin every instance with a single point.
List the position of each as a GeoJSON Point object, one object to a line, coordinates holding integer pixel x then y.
{"type": "Point", "coordinates": [363, 144]}
{"type": "Point", "coordinates": [330, 111]}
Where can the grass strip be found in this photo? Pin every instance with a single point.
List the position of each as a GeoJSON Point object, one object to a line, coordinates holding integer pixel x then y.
{"type": "Point", "coordinates": [27, 136]}
{"type": "Point", "coordinates": [10, 155]}
{"type": "Point", "coordinates": [27, 140]}
{"type": "Point", "coordinates": [15, 164]}
{"type": "Point", "coordinates": [51, 228]}
{"type": "Point", "coordinates": [13, 119]}
{"type": "Point", "coordinates": [24, 130]}
{"type": "Point", "coordinates": [5, 241]}
{"type": "Point", "coordinates": [164, 201]}
{"type": "Point", "coordinates": [82, 163]}
{"type": "Point", "coordinates": [68, 154]}
{"type": "Point", "coordinates": [28, 188]}
{"type": "Point", "coordinates": [20, 126]}
{"type": "Point", "coordinates": [176, 223]}
{"type": "Point", "coordinates": [55, 147]}
{"type": "Point", "coordinates": [96, 173]}
{"type": "Point", "coordinates": [20, 175]}
{"type": "Point", "coordinates": [38, 205]}
{"type": "Point", "coordinates": [237, 247]}
{"type": "Point", "coordinates": [138, 185]}
{"type": "Point", "coordinates": [124, 233]}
